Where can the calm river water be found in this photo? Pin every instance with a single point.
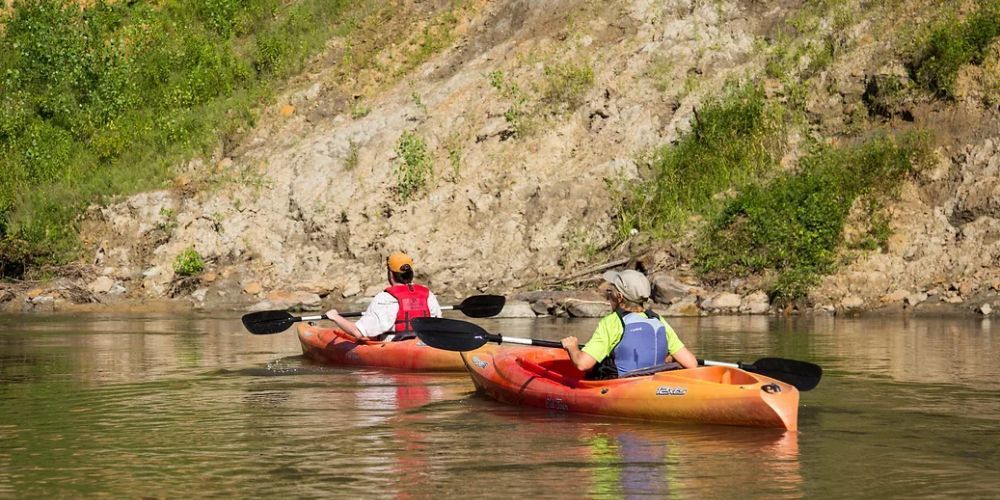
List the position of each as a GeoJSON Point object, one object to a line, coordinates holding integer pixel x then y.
{"type": "Point", "coordinates": [178, 406]}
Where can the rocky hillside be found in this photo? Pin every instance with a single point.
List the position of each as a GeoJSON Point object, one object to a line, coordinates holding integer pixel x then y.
{"type": "Point", "coordinates": [496, 158]}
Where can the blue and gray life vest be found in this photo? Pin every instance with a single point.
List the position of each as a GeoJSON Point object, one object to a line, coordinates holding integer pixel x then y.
{"type": "Point", "coordinates": [643, 344]}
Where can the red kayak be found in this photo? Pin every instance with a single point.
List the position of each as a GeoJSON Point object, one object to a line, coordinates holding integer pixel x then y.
{"type": "Point", "coordinates": [546, 378]}
{"type": "Point", "coordinates": [333, 346]}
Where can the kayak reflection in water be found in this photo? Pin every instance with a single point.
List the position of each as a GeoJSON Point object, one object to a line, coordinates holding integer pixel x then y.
{"type": "Point", "coordinates": [631, 338]}
{"type": "Point", "coordinates": [389, 314]}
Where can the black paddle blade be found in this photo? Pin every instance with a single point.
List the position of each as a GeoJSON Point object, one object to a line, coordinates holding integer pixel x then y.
{"type": "Point", "coordinates": [449, 334]}
{"type": "Point", "coordinates": [804, 376]}
{"type": "Point", "coordinates": [267, 322]}
{"type": "Point", "coordinates": [482, 306]}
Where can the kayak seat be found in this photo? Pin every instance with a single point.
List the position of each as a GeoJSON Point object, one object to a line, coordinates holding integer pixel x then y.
{"type": "Point", "coordinates": [561, 371]}
{"type": "Point", "coordinates": [717, 375]}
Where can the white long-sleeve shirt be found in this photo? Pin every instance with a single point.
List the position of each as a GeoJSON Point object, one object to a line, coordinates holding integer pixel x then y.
{"type": "Point", "coordinates": [380, 317]}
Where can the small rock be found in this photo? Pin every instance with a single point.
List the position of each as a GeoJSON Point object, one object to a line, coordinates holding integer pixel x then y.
{"type": "Point", "coordinates": [667, 289]}
{"type": "Point", "coordinates": [895, 297]}
{"type": "Point", "coordinates": [953, 299]}
{"type": "Point", "coordinates": [34, 292]}
{"type": "Point", "coordinates": [586, 308]}
{"type": "Point", "coordinates": [118, 289]}
{"type": "Point", "coordinates": [289, 301]}
{"type": "Point", "coordinates": [755, 303]}
{"type": "Point", "coordinates": [543, 307]}
{"type": "Point", "coordinates": [42, 300]}
{"type": "Point", "coordinates": [102, 284]}
{"type": "Point", "coordinates": [913, 299]}
{"type": "Point", "coordinates": [852, 302]}
{"type": "Point", "coordinates": [516, 309]}
{"type": "Point", "coordinates": [199, 294]}
{"type": "Point", "coordinates": [209, 277]}
{"type": "Point", "coordinates": [721, 302]}
{"type": "Point", "coordinates": [688, 306]}
{"type": "Point", "coordinates": [351, 290]}
{"type": "Point", "coordinates": [985, 309]}
{"type": "Point", "coordinates": [287, 110]}
{"type": "Point", "coordinates": [253, 288]}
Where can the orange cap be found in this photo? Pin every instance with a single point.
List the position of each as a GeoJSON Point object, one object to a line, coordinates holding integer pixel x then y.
{"type": "Point", "coordinates": [397, 260]}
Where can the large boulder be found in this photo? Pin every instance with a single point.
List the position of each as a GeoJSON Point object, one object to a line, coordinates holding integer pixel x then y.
{"type": "Point", "coordinates": [667, 289]}
{"type": "Point", "coordinates": [579, 308]}
{"type": "Point", "coordinates": [289, 301]}
{"type": "Point", "coordinates": [755, 303]}
{"type": "Point", "coordinates": [516, 309]}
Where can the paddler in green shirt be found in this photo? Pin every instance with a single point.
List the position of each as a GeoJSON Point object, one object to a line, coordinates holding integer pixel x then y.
{"type": "Point", "coordinates": [631, 338]}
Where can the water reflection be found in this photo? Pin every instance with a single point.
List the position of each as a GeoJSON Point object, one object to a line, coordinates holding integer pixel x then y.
{"type": "Point", "coordinates": [133, 405]}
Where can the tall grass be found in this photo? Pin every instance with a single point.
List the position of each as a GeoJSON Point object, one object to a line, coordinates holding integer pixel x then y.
{"type": "Point", "coordinates": [793, 226]}
{"type": "Point", "coordinates": [734, 140]}
{"type": "Point", "coordinates": [101, 100]}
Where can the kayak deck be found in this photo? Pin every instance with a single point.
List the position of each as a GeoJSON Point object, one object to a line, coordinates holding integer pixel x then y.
{"type": "Point", "coordinates": [546, 378]}
{"type": "Point", "coordinates": [333, 346]}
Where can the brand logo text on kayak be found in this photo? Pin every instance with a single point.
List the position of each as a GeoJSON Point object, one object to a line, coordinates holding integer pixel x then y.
{"type": "Point", "coordinates": [480, 363]}
{"type": "Point", "coordinates": [664, 390]}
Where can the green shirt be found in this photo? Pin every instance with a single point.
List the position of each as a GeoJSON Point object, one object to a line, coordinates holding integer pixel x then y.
{"type": "Point", "coordinates": [609, 333]}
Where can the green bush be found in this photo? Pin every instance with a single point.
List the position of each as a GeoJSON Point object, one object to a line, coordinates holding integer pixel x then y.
{"type": "Point", "coordinates": [188, 263]}
{"type": "Point", "coordinates": [413, 172]}
{"type": "Point", "coordinates": [101, 100]}
{"type": "Point", "coordinates": [952, 45]}
{"type": "Point", "coordinates": [565, 84]}
{"type": "Point", "coordinates": [793, 225]}
{"type": "Point", "coordinates": [518, 114]}
{"type": "Point", "coordinates": [734, 140]}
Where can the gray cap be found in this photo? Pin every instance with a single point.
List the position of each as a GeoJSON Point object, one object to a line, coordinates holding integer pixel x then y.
{"type": "Point", "coordinates": [632, 284]}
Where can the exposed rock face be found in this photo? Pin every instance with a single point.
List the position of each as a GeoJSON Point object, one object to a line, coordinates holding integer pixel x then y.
{"type": "Point", "coordinates": [309, 203]}
{"type": "Point", "coordinates": [946, 241]}
{"type": "Point", "coordinates": [315, 198]}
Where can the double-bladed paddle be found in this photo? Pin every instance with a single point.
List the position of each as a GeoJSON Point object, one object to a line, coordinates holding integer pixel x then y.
{"type": "Point", "coordinates": [457, 335]}
{"type": "Point", "coordinates": [268, 322]}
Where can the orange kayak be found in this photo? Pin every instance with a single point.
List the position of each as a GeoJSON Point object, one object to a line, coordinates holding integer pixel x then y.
{"type": "Point", "coordinates": [545, 378]}
{"type": "Point", "coordinates": [333, 346]}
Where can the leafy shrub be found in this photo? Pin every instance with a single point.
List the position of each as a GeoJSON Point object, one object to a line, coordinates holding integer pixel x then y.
{"type": "Point", "coordinates": [188, 263]}
{"type": "Point", "coordinates": [566, 83]}
{"type": "Point", "coordinates": [952, 45]}
{"type": "Point", "coordinates": [415, 169]}
{"type": "Point", "coordinates": [734, 140]}
{"type": "Point", "coordinates": [517, 115]}
{"type": "Point", "coordinates": [794, 224]}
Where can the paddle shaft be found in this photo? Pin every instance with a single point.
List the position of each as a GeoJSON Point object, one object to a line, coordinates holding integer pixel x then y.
{"type": "Point", "coordinates": [354, 314]}
{"type": "Point", "coordinates": [706, 362]}
{"type": "Point", "coordinates": [499, 339]}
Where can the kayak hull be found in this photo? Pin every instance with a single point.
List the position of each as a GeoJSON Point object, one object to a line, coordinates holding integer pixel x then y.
{"type": "Point", "coordinates": [546, 378]}
{"type": "Point", "coordinates": [332, 346]}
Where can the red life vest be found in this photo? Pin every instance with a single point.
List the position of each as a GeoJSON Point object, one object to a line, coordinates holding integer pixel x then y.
{"type": "Point", "coordinates": [412, 304]}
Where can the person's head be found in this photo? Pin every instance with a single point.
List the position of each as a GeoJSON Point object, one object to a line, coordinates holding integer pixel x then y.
{"type": "Point", "coordinates": [629, 289]}
{"type": "Point", "coordinates": [400, 268]}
